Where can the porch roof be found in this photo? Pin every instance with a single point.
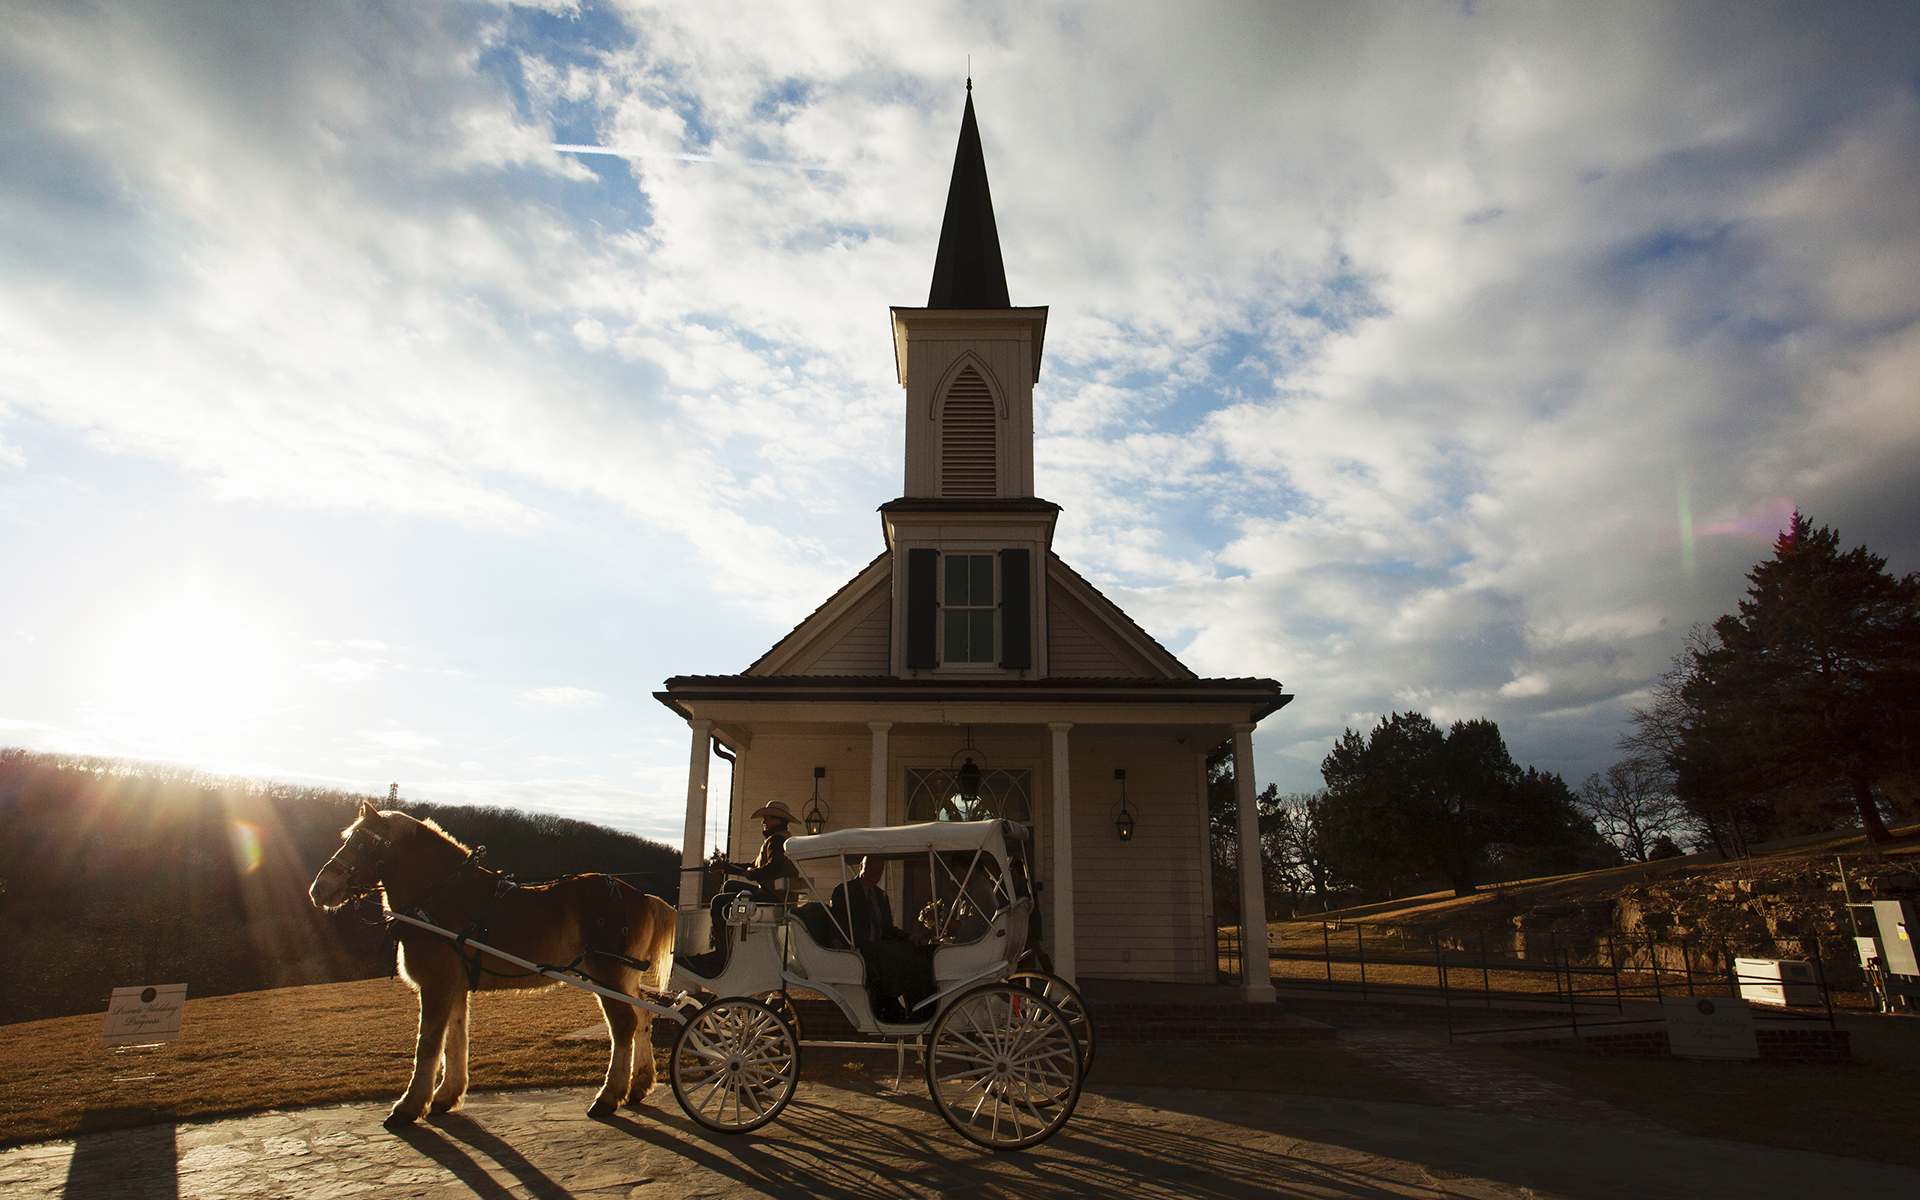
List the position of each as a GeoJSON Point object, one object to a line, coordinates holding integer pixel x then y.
{"type": "Point", "coordinates": [1261, 697]}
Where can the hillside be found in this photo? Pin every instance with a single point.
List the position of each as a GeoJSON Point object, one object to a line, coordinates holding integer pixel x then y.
{"type": "Point", "coordinates": [114, 873]}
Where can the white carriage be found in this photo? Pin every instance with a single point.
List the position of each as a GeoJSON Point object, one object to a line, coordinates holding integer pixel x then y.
{"type": "Point", "coordinates": [1005, 1049]}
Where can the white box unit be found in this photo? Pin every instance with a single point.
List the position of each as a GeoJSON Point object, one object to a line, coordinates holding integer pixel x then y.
{"type": "Point", "coordinates": [1898, 928]}
{"type": "Point", "coordinates": [1784, 981]}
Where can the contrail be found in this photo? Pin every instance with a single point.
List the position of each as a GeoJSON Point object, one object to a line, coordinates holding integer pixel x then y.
{"type": "Point", "coordinates": [617, 152]}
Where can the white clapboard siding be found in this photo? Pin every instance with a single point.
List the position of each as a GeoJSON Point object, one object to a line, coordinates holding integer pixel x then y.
{"type": "Point", "coordinates": [1140, 897]}
{"type": "Point", "coordinates": [862, 650]}
{"type": "Point", "coordinates": [1074, 652]}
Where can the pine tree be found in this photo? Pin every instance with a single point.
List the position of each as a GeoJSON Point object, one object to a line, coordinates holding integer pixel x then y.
{"type": "Point", "coordinates": [1409, 802]}
{"type": "Point", "coordinates": [1814, 683]}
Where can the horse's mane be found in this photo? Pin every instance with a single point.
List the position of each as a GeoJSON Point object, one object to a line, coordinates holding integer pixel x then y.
{"type": "Point", "coordinates": [427, 823]}
{"type": "Point", "coordinates": [431, 824]}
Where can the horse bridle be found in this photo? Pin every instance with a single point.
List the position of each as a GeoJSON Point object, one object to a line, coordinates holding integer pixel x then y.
{"type": "Point", "coordinates": [351, 866]}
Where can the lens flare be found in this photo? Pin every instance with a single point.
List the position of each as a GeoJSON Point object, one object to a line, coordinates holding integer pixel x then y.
{"type": "Point", "coordinates": [245, 840]}
{"type": "Point", "coordinates": [1762, 523]}
{"type": "Point", "coordinates": [1686, 531]}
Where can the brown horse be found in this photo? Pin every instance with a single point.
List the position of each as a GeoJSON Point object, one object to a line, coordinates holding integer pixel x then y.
{"type": "Point", "coordinates": [578, 922]}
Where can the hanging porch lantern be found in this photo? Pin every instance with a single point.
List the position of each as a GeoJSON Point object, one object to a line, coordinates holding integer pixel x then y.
{"type": "Point", "coordinates": [967, 777]}
{"type": "Point", "coordinates": [816, 819]}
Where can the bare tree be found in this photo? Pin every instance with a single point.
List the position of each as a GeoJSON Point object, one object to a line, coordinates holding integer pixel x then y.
{"type": "Point", "coordinates": [1290, 845]}
{"type": "Point", "coordinates": [1657, 740]}
{"type": "Point", "coordinates": [1659, 726]}
{"type": "Point", "coordinates": [1634, 806]}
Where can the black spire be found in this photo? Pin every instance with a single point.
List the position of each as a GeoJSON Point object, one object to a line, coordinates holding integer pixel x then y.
{"type": "Point", "coordinates": [968, 271]}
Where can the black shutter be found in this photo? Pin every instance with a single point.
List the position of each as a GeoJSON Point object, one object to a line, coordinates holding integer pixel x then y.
{"type": "Point", "coordinates": [1016, 611]}
{"type": "Point", "coordinates": [923, 570]}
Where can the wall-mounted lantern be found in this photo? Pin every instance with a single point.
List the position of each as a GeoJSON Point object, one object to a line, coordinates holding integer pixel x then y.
{"type": "Point", "coordinates": [967, 777]}
{"type": "Point", "coordinates": [1123, 820]}
{"type": "Point", "coordinates": [816, 819]}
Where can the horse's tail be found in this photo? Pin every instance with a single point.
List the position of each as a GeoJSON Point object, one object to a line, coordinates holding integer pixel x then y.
{"type": "Point", "coordinates": [665, 921]}
{"type": "Point", "coordinates": [650, 925]}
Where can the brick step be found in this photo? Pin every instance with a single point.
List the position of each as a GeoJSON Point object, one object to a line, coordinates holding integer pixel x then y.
{"type": "Point", "coordinates": [1357, 1013]}
{"type": "Point", "coordinates": [1220, 1024]}
{"type": "Point", "coordinates": [1249, 1013]}
{"type": "Point", "coordinates": [1233, 1033]}
{"type": "Point", "coordinates": [1798, 1045]}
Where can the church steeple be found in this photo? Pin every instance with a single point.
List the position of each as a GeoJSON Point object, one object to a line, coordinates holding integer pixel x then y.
{"type": "Point", "coordinates": [968, 271]}
{"type": "Point", "coordinates": [969, 359]}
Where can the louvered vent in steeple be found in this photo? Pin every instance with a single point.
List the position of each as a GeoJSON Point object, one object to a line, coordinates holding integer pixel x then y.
{"type": "Point", "coordinates": [968, 428]}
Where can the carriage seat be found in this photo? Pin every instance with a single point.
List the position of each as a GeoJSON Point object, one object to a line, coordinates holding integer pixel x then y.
{"type": "Point", "coordinates": [814, 918]}
{"type": "Point", "coordinates": [813, 954]}
{"type": "Point", "coordinates": [999, 944]}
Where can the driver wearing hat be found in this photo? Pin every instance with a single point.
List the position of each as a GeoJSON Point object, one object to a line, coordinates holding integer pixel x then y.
{"type": "Point", "coordinates": [769, 866]}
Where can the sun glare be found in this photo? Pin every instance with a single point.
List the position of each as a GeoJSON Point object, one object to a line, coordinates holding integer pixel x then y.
{"type": "Point", "coordinates": [193, 669]}
{"type": "Point", "coordinates": [246, 847]}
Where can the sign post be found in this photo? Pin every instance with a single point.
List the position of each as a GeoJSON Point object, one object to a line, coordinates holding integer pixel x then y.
{"type": "Point", "coordinates": [1699, 1027]}
{"type": "Point", "coordinates": [139, 1016]}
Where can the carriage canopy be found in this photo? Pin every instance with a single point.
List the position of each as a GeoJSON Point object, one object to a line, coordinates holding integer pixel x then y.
{"type": "Point", "coordinates": [991, 836]}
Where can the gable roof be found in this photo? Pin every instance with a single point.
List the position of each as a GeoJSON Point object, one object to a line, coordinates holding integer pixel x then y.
{"type": "Point", "coordinates": [817, 631]}
{"type": "Point", "coordinates": [1122, 633]}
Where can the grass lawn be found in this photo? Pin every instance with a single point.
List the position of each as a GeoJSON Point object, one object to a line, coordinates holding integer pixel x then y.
{"type": "Point", "coordinates": [296, 1046]}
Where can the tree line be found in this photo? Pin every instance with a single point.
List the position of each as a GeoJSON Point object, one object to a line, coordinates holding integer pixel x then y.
{"type": "Point", "coordinates": [115, 872]}
{"type": "Point", "coordinates": [1798, 713]}
{"type": "Point", "coordinates": [1407, 808]}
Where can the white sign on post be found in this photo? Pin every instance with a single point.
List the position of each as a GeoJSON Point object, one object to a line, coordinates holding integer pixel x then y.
{"type": "Point", "coordinates": [140, 1015]}
{"type": "Point", "coordinates": [1702, 1027]}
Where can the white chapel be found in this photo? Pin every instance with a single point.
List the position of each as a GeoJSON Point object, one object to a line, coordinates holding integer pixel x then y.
{"type": "Point", "coordinates": [968, 641]}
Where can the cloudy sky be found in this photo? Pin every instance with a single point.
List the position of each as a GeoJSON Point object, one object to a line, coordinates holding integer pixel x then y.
{"type": "Point", "coordinates": [1449, 357]}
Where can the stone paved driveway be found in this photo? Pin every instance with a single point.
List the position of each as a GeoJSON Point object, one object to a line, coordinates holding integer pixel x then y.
{"type": "Point", "coordinates": [1123, 1144]}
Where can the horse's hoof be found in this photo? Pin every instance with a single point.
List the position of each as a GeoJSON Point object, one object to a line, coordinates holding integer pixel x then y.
{"type": "Point", "coordinates": [640, 1096]}
{"type": "Point", "coordinates": [600, 1109]}
{"type": "Point", "coordinates": [446, 1106]}
{"type": "Point", "coordinates": [397, 1120]}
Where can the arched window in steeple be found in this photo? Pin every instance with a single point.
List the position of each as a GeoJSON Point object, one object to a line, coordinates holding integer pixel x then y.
{"type": "Point", "coordinates": [969, 438]}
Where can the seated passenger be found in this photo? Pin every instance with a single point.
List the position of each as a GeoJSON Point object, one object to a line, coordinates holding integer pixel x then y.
{"type": "Point", "coordinates": [899, 973]}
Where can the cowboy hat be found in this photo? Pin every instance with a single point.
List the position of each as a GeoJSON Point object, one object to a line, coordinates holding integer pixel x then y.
{"type": "Point", "coordinates": [778, 810]}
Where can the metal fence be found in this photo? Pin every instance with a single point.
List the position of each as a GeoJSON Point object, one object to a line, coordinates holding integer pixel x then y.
{"type": "Point", "coordinates": [1229, 964]}
{"type": "Point", "coordinates": [1567, 977]}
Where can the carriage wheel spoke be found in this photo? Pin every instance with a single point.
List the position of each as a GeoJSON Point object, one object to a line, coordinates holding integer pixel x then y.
{"type": "Point", "coordinates": [1002, 1067]}
{"type": "Point", "coordinates": [734, 1065]}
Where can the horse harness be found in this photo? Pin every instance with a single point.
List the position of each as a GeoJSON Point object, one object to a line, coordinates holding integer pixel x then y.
{"type": "Point", "coordinates": [478, 928]}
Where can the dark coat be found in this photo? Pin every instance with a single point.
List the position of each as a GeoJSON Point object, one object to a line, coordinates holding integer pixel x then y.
{"type": "Point", "coordinates": [865, 912]}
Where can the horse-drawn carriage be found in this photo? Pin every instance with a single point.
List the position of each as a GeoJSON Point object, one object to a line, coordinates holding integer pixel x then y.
{"type": "Point", "coordinates": [1004, 1048]}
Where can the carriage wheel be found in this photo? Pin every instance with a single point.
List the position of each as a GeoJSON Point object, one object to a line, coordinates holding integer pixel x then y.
{"type": "Point", "coordinates": [782, 1005]}
{"type": "Point", "coordinates": [1003, 1067]}
{"type": "Point", "coordinates": [1072, 1006]}
{"type": "Point", "coordinates": [735, 1064]}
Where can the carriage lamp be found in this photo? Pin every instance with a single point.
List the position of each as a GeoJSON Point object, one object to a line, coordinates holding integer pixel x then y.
{"type": "Point", "coordinates": [815, 819]}
{"type": "Point", "coordinates": [1124, 820]}
{"type": "Point", "coordinates": [967, 777]}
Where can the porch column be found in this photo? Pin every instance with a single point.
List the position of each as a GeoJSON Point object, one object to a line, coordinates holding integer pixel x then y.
{"type": "Point", "coordinates": [1256, 971]}
{"type": "Point", "coordinates": [877, 778]}
{"type": "Point", "coordinates": [1209, 924]}
{"type": "Point", "coordinates": [1063, 964]}
{"type": "Point", "coordinates": [693, 850]}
